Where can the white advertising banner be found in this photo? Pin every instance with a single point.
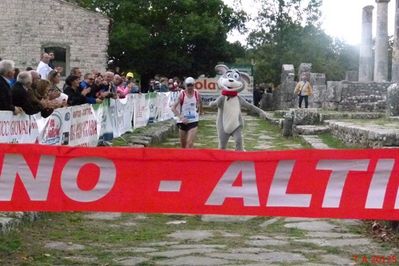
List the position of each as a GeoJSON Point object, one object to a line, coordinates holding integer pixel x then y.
{"type": "Point", "coordinates": [83, 127]}
{"type": "Point", "coordinates": [151, 99]}
{"type": "Point", "coordinates": [17, 128]}
{"type": "Point", "coordinates": [56, 127]}
{"type": "Point", "coordinates": [104, 123]}
{"type": "Point", "coordinates": [124, 115]}
{"type": "Point", "coordinates": [141, 111]}
{"type": "Point", "coordinates": [164, 106]}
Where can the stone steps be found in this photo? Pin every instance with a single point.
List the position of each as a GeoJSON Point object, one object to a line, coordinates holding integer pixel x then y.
{"type": "Point", "coordinates": [314, 141]}
{"type": "Point", "coordinates": [365, 135]}
{"type": "Point", "coordinates": [311, 129]}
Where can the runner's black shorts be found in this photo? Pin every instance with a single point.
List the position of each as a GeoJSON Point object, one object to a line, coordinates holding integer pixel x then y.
{"type": "Point", "coordinates": [187, 127]}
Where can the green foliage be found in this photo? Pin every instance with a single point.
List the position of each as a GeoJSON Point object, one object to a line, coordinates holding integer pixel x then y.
{"type": "Point", "coordinates": [178, 37]}
{"type": "Point", "coordinates": [289, 33]}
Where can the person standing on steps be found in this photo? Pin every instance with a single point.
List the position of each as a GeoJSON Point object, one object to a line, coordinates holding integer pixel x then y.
{"type": "Point", "coordinates": [187, 109]}
{"type": "Point", "coordinates": [304, 89]}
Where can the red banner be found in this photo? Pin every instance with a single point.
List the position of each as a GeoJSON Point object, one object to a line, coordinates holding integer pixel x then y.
{"type": "Point", "coordinates": [360, 184]}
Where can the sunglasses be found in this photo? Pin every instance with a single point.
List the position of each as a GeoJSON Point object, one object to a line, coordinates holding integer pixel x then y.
{"type": "Point", "coordinates": [190, 85]}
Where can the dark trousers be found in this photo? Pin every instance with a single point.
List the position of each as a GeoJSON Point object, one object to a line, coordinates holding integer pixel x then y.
{"type": "Point", "coordinates": [301, 97]}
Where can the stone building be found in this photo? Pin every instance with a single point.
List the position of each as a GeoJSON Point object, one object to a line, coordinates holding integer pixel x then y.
{"type": "Point", "coordinates": [79, 37]}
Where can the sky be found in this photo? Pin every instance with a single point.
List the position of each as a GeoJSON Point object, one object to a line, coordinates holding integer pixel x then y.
{"type": "Point", "coordinates": [341, 18]}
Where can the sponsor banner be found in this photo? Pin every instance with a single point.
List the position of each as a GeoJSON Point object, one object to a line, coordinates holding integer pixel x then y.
{"type": "Point", "coordinates": [354, 184]}
{"type": "Point", "coordinates": [152, 102]}
{"type": "Point", "coordinates": [17, 128]}
{"type": "Point", "coordinates": [124, 115]}
{"type": "Point", "coordinates": [83, 130]}
{"type": "Point", "coordinates": [56, 127]}
{"type": "Point", "coordinates": [141, 110]}
{"type": "Point", "coordinates": [164, 111]}
{"type": "Point", "coordinates": [207, 85]}
{"type": "Point", "coordinates": [104, 123]}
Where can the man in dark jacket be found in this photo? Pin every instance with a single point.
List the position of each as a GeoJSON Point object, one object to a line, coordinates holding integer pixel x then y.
{"type": "Point", "coordinates": [6, 74]}
{"type": "Point", "coordinates": [22, 94]}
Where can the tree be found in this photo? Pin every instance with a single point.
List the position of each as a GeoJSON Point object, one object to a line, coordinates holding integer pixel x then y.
{"type": "Point", "coordinates": [170, 37]}
{"type": "Point", "coordinates": [289, 33]}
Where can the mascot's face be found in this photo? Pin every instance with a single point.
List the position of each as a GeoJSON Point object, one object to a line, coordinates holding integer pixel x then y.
{"type": "Point", "coordinates": [231, 79]}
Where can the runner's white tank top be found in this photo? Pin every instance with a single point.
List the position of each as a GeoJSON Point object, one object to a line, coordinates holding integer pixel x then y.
{"type": "Point", "coordinates": [189, 108]}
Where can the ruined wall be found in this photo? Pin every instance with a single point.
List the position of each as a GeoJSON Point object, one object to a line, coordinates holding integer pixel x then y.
{"type": "Point", "coordinates": [29, 25]}
{"type": "Point", "coordinates": [355, 96]}
{"type": "Point", "coordinates": [333, 95]}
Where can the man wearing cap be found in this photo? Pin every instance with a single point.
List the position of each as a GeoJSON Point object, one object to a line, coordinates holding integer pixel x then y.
{"type": "Point", "coordinates": [129, 76]}
{"type": "Point", "coordinates": [187, 109]}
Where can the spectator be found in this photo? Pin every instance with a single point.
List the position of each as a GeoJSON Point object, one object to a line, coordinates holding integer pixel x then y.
{"type": "Point", "coordinates": [117, 81]}
{"type": "Point", "coordinates": [41, 93]}
{"type": "Point", "coordinates": [43, 68]}
{"type": "Point", "coordinates": [107, 89]}
{"type": "Point", "coordinates": [303, 89]}
{"type": "Point", "coordinates": [85, 88]}
{"type": "Point", "coordinates": [55, 93]}
{"type": "Point", "coordinates": [151, 86]}
{"type": "Point", "coordinates": [157, 86]}
{"type": "Point", "coordinates": [135, 87]}
{"type": "Point", "coordinates": [14, 79]}
{"type": "Point", "coordinates": [129, 76]}
{"type": "Point", "coordinates": [51, 63]}
{"type": "Point", "coordinates": [75, 71]}
{"type": "Point", "coordinates": [22, 94]}
{"type": "Point", "coordinates": [123, 89]}
{"type": "Point", "coordinates": [6, 74]}
{"type": "Point", "coordinates": [164, 85]}
{"type": "Point", "coordinates": [72, 90]}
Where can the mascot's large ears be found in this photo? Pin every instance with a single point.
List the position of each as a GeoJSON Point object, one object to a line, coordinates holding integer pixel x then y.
{"type": "Point", "coordinates": [221, 69]}
{"type": "Point", "coordinates": [245, 77]}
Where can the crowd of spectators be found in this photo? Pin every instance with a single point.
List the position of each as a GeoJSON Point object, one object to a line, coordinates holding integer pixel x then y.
{"type": "Point", "coordinates": [38, 90]}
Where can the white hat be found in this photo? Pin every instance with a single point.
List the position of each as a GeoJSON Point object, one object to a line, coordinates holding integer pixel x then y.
{"type": "Point", "coordinates": [189, 80]}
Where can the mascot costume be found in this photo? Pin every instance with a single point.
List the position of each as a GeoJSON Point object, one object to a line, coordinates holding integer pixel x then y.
{"type": "Point", "coordinates": [229, 120]}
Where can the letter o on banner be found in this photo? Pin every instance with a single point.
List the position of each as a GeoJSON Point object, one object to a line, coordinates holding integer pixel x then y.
{"type": "Point", "coordinates": [106, 179]}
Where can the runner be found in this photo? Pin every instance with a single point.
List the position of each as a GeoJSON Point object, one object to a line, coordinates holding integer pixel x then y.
{"type": "Point", "coordinates": [187, 108]}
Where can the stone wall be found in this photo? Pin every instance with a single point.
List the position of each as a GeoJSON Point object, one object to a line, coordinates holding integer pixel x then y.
{"type": "Point", "coordinates": [343, 95]}
{"type": "Point", "coordinates": [355, 96]}
{"type": "Point", "coordinates": [30, 25]}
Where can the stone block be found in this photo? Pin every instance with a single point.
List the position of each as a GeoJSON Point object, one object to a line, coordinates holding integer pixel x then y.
{"type": "Point", "coordinates": [304, 67]}
{"type": "Point", "coordinates": [317, 79]}
{"type": "Point", "coordinates": [333, 91]}
{"type": "Point", "coordinates": [392, 102]}
{"type": "Point", "coordinates": [306, 116]}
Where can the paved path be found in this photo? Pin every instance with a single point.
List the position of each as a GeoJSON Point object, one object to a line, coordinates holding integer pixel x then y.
{"type": "Point", "coordinates": [126, 239]}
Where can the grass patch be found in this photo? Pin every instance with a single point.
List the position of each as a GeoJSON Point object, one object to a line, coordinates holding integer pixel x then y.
{"type": "Point", "coordinates": [333, 142]}
{"type": "Point", "coordinates": [9, 243]}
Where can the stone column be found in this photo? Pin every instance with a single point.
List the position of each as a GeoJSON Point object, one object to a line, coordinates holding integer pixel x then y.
{"type": "Point", "coordinates": [381, 42]}
{"type": "Point", "coordinates": [395, 50]}
{"type": "Point", "coordinates": [366, 47]}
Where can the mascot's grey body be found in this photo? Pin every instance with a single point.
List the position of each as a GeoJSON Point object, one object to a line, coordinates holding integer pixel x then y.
{"type": "Point", "coordinates": [229, 120]}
